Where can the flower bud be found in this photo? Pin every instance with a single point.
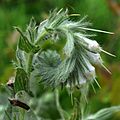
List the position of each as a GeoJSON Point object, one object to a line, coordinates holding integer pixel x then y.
{"type": "Point", "coordinates": [94, 58]}
{"type": "Point", "coordinates": [90, 75]}
{"type": "Point", "coordinates": [91, 45]}
{"type": "Point", "coordinates": [89, 72]}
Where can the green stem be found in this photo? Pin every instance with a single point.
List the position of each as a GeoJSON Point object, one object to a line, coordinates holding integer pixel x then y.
{"type": "Point", "coordinates": [29, 63]}
{"type": "Point", "coordinates": [76, 110]}
{"type": "Point", "coordinates": [59, 108]}
{"type": "Point", "coordinates": [29, 67]}
{"type": "Point", "coordinates": [82, 106]}
{"type": "Point", "coordinates": [83, 100]}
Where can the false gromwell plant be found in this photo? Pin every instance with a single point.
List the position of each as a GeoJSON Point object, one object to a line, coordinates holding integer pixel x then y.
{"type": "Point", "coordinates": [57, 53]}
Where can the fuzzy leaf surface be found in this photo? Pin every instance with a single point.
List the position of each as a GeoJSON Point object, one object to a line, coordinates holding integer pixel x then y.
{"type": "Point", "coordinates": [21, 80]}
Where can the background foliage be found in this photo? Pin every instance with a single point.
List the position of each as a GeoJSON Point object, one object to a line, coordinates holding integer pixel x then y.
{"type": "Point", "coordinates": [100, 13]}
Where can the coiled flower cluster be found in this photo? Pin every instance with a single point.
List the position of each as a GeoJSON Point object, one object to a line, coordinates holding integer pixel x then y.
{"type": "Point", "coordinates": [71, 58]}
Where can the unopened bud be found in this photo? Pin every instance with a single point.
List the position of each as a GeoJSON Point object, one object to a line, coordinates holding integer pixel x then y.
{"type": "Point", "coordinates": [90, 75]}
{"type": "Point", "coordinates": [94, 58]}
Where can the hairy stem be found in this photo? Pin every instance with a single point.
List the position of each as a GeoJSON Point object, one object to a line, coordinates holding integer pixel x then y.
{"type": "Point", "coordinates": [59, 108]}
{"type": "Point", "coordinates": [29, 67]}
{"type": "Point", "coordinates": [83, 100]}
{"type": "Point", "coordinates": [75, 115]}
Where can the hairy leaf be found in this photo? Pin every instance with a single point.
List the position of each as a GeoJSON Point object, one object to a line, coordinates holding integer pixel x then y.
{"type": "Point", "coordinates": [69, 44]}
{"type": "Point", "coordinates": [20, 55]}
{"type": "Point", "coordinates": [25, 44]}
{"type": "Point", "coordinates": [21, 80]}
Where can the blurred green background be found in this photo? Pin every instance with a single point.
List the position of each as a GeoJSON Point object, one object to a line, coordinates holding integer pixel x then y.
{"type": "Point", "coordinates": [104, 14]}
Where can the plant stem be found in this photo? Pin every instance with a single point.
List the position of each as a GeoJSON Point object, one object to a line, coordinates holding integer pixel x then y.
{"type": "Point", "coordinates": [29, 67]}
{"type": "Point", "coordinates": [59, 108]}
{"type": "Point", "coordinates": [29, 63]}
{"type": "Point", "coordinates": [83, 100]}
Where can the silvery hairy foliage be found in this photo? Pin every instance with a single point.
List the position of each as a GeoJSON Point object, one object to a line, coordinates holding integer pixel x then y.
{"type": "Point", "coordinates": [57, 52]}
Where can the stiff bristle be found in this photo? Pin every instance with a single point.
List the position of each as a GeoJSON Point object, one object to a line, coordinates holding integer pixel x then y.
{"type": "Point", "coordinates": [108, 53]}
